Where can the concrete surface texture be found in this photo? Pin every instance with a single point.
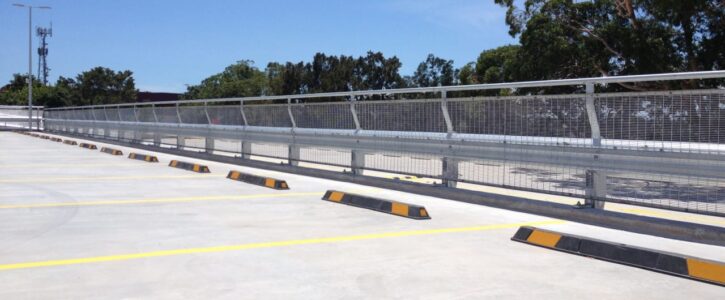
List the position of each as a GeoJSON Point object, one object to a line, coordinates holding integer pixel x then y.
{"type": "Point", "coordinates": [81, 224]}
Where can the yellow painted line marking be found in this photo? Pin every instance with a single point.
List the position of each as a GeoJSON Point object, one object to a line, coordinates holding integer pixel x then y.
{"type": "Point", "coordinates": [168, 200]}
{"type": "Point", "coordinates": [102, 178]}
{"type": "Point", "coordinates": [672, 216]}
{"type": "Point", "coordinates": [328, 240]}
{"type": "Point", "coordinates": [159, 200]}
{"type": "Point", "coordinates": [67, 165]}
{"type": "Point", "coordinates": [706, 270]}
{"type": "Point", "coordinates": [543, 238]}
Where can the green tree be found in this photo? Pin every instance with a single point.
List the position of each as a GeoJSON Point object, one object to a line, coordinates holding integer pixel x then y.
{"type": "Point", "coordinates": [238, 80]}
{"type": "Point", "coordinates": [497, 65]}
{"type": "Point", "coordinates": [435, 71]}
{"type": "Point", "coordinates": [103, 86]}
{"type": "Point", "coordinates": [467, 74]}
{"type": "Point", "coordinates": [565, 39]}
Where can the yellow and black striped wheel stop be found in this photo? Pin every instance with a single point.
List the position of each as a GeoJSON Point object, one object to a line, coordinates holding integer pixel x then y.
{"type": "Point", "coordinates": [655, 260]}
{"type": "Point", "coordinates": [189, 166]}
{"type": "Point", "coordinates": [88, 146]}
{"type": "Point", "coordinates": [111, 151]}
{"type": "Point", "coordinates": [144, 157]}
{"type": "Point", "coordinates": [387, 206]}
{"type": "Point", "coordinates": [258, 180]}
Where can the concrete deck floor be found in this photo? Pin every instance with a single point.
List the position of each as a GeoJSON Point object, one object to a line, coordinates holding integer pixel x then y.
{"type": "Point", "coordinates": [80, 224]}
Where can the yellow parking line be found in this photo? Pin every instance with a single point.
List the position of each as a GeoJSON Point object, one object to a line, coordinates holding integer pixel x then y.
{"type": "Point", "coordinates": [107, 258]}
{"type": "Point", "coordinates": [66, 165]}
{"type": "Point", "coordinates": [102, 178]}
{"type": "Point", "coordinates": [672, 216]}
{"type": "Point", "coordinates": [159, 200]}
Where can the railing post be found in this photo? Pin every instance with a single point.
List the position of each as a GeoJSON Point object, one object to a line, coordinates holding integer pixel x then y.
{"type": "Point", "coordinates": [120, 133]}
{"type": "Point", "coordinates": [246, 146]}
{"type": "Point", "coordinates": [449, 165]}
{"type": "Point", "coordinates": [596, 189]}
{"type": "Point", "coordinates": [157, 136]}
{"type": "Point", "coordinates": [446, 116]}
{"type": "Point", "coordinates": [592, 115]}
{"type": "Point", "coordinates": [180, 140]}
{"type": "Point", "coordinates": [137, 136]}
{"type": "Point", "coordinates": [357, 164]}
{"type": "Point", "coordinates": [596, 180]}
{"type": "Point", "coordinates": [106, 127]}
{"type": "Point", "coordinates": [357, 157]}
{"type": "Point", "coordinates": [241, 110]}
{"type": "Point", "coordinates": [354, 114]}
{"type": "Point", "coordinates": [449, 172]}
{"type": "Point", "coordinates": [293, 153]}
{"type": "Point", "coordinates": [246, 151]}
{"type": "Point", "coordinates": [208, 141]}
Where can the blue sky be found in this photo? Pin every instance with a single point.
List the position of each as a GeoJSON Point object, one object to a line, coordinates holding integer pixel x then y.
{"type": "Point", "coordinates": [171, 43]}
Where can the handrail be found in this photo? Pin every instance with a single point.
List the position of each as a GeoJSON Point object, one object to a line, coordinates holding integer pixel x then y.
{"type": "Point", "coordinates": [438, 89]}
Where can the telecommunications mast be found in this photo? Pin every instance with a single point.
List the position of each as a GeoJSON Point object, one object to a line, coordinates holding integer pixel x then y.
{"type": "Point", "coordinates": [43, 69]}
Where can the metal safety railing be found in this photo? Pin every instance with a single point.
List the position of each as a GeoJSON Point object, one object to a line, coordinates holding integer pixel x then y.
{"type": "Point", "coordinates": [654, 148]}
{"type": "Point", "coordinates": [17, 117]}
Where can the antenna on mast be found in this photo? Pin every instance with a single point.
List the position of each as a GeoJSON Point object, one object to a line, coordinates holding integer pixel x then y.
{"type": "Point", "coordinates": [43, 69]}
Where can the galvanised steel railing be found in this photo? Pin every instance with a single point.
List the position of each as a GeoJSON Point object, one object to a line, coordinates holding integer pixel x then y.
{"type": "Point", "coordinates": [654, 148]}
{"type": "Point", "coordinates": [15, 117]}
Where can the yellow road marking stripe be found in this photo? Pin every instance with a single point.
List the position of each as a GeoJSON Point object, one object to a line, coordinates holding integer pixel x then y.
{"type": "Point", "coordinates": [159, 200]}
{"type": "Point", "coordinates": [672, 215]}
{"type": "Point", "coordinates": [120, 257]}
{"type": "Point", "coordinates": [63, 179]}
{"type": "Point", "coordinates": [66, 165]}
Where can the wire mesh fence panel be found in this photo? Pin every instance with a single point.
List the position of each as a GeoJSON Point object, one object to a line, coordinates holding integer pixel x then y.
{"type": "Point", "coordinates": [225, 115]}
{"type": "Point", "coordinates": [325, 115]}
{"type": "Point", "coordinates": [193, 115]}
{"type": "Point", "coordinates": [167, 114]}
{"type": "Point", "coordinates": [388, 117]}
{"type": "Point", "coordinates": [112, 114]}
{"type": "Point", "coordinates": [404, 163]}
{"type": "Point", "coordinates": [547, 120]}
{"type": "Point", "coordinates": [146, 114]}
{"type": "Point", "coordinates": [328, 156]}
{"type": "Point", "coordinates": [127, 114]}
{"type": "Point", "coordinates": [270, 150]}
{"type": "Point", "coordinates": [98, 114]}
{"type": "Point", "coordinates": [681, 121]}
{"type": "Point", "coordinates": [270, 115]}
{"type": "Point", "coordinates": [227, 145]}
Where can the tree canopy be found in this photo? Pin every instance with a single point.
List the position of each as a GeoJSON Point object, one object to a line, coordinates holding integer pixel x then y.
{"type": "Point", "coordinates": [556, 39]}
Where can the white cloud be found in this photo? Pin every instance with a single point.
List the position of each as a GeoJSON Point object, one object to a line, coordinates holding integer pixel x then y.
{"type": "Point", "coordinates": [472, 14]}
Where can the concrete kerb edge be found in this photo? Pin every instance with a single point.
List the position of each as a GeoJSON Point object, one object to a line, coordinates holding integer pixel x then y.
{"type": "Point", "coordinates": [679, 230]}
